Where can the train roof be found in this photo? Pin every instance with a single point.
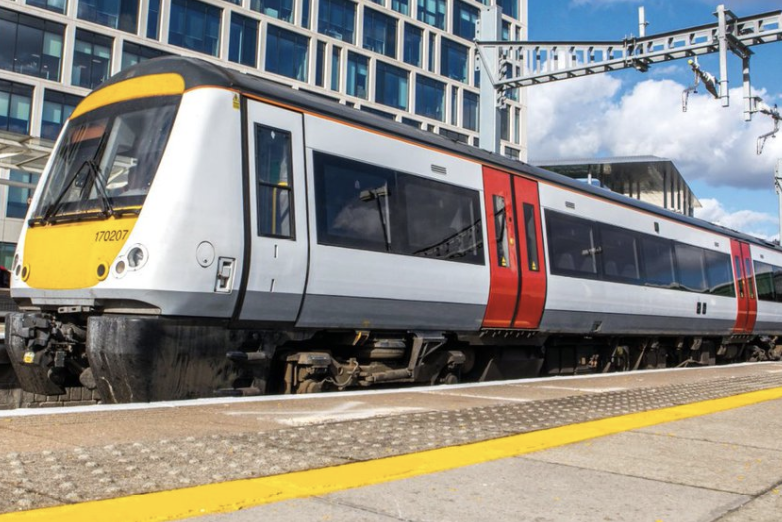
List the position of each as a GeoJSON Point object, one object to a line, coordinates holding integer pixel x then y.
{"type": "Point", "coordinates": [198, 73]}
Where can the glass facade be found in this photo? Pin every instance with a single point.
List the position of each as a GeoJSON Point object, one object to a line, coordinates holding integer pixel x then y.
{"type": "Point", "coordinates": [153, 20]}
{"type": "Point", "coordinates": [400, 6]}
{"type": "Point", "coordinates": [453, 62]}
{"type": "Point", "coordinates": [30, 45]}
{"type": "Point", "coordinates": [243, 43]}
{"type": "Point", "coordinates": [91, 59]}
{"type": "Point", "coordinates": [58, 6]}
{"type": "Point", "coordinates": [117, 14]}
{"type": "Point", "coordinates": [413, 45]}
{"type": "Point", "coordinates": [18, 197]}
{"type": "Point", "coordinates": [15, 104]}
{"type": "Point", "coordinates": [286, 53]}
{"type": "Point", "coordinates": [358, 71]}
{"type": "Point", "coordinates": [470, 111]}
{"type": "Point", "coordinates": [280, 9]}
{"type": "Point", "coordinates": [391, 86]}
{"type": "Point", "coordinates": [57, 108]}
{"type": "Point", "coordinates": [465, 17]}
{"type": "Point", "coordinates": [133, 54]}
{"type": "Point", "coordinates": [379, 33]}
{"type": "Point", "coordinates": [430, 98]}
{"type": "Point", "coordinates": [337, 19]}
{"type": "Point", "coordinates": [195, 26]}
{"type": "Point", "coordinates": [432, 12]}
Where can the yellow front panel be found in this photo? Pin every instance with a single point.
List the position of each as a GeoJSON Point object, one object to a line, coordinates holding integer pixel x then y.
{"type": "Point", "coordinates": [70, 255]}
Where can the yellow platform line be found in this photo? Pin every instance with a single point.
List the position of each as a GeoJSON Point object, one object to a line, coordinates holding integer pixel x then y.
{"type": "Point", "coordinates": [240, 494]}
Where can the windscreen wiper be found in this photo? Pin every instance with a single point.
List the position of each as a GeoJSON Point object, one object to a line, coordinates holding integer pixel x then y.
{"type": "Point", "coordinates": [100, 186]}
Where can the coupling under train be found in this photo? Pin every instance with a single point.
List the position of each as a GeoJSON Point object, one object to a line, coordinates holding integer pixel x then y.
{"type": "Point", "coordinates": [199, 232]}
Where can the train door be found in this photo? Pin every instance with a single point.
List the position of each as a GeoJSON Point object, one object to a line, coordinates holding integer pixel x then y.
{"type": "Point", "coordinates": [532, 298]}
{"type": "Point", "coordinates": [278, 247]}
{"type": "Point", "coordinates": [518, 281]}
{"type": "Point", "coordinates": [745, 287]}
{"type": "Point", "coordinates": [503, 249]}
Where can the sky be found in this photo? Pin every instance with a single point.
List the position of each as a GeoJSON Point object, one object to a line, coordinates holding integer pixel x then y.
{"type": "Point", "coordinates": [628, 113]}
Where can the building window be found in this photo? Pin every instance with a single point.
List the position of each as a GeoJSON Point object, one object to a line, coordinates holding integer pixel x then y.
{"type": "Point", "coordinates": [335, 69]}
{"type": "Point", "coordinates": [7, 251]}
{"type": "Point", "coordinates": [15, 102]}
{"type": "Point", "coordinates": [153, 19]}
{"type": "Point", "coordinates": [391, 86]}
{"type": "Point", "coordinates": [464, 18]}
{"type": "Point", "coordinates": [429, 98]}
{"type": "Point", "coordinates": [29, 45]}
{"type": "Point", "coordinates": [432, 12]}
{"type": "Point", "coordinates": [413, 44]}
{"type": "Point", "coordinates": [305, 14]}
{"type": "Point", "coordinates": [91, 59]}
{"type": "Point", "coordinates": [18, 196]}
{"type": "Point", "coordinates": [337, 18]}
{"type": "Point", "coordinates": [57, 108]}
{"type": "Point", "coordinates": [133, 54]}
{"type": "Point", "coordinates": [379, 33]}
{"type": "Point", "coordinates": [117, 14]}
{"type": "Point", "coordinates": [453, 62]}
{"type": "Point", "coordinates": [195, 26]}
{"type": "Point", "coordinates": [286, 53]}
{"type": "Point", "coordinates": [357, 75]}
{"type": "Point", "coordinates": [243, 45]}
{"type": "Point", "coordinates": [58, 6]}
{"type": "Point", "coordinates": [432, 52]}
{"type": "Point", "coordinates": [510, 8]}
{"type": "Point", "coordinates": [275, 189]}
{"type": "Point", "coordinates": [400, 6]}
{"type": "Point", "coordinates": [470, 110]}
{"type": "Point", "coordinates": [280, 9]}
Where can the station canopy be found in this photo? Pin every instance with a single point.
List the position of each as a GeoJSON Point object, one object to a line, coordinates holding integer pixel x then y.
{"type": "Point", "coordinates": [650, 179]}
{"type": "Point", "coordinates": [23, 152]}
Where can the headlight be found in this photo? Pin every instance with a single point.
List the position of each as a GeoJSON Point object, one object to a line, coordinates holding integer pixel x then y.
{"type": "Point", "coordinates": [136, 257]}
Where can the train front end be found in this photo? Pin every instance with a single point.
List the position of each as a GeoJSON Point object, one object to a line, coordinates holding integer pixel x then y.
{"type": "Point", "coordinates": [116, 268]}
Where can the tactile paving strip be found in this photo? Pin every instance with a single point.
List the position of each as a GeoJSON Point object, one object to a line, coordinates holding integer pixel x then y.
{"type": "Point", "coordinates": [41, 479]}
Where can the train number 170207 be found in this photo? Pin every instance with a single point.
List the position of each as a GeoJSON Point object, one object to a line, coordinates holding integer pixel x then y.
{"type": "Point", "coordinates": [111, 235]}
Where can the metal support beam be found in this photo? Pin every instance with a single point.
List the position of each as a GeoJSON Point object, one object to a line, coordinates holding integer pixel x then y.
{"type": "Point", "coordinates": [722, 41]}
{"type": "Point", "coordinates": [490, 29]}
{"type": "Point", "coordinates": [778, 188]}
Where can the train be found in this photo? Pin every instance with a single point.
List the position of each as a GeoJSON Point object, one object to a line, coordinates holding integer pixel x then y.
{"type": "Point", "coordinates": [201, 232]}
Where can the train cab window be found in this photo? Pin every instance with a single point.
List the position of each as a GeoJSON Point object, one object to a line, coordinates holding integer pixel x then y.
{"type": "Point", "coordinates": [719, 274]}
{"type": "Point", "coordinates": [531, 234]}
{"type": "Point", "coordinates": [764, 278]}
{"type": "Point", "coordinates": [658, 262]}
{"type": "Point", "coordinates": [274, 177]}
{"type": "Point", "coordinates": [620, 254]}
{"type": "Point", "coordinates": [501, 229]}
{"type": "Point", "coordinates": [571, 245]}
{"type": "Point", "coordinates": [689, 260]}
{"type": "Point", "coordinates": [442, 221]}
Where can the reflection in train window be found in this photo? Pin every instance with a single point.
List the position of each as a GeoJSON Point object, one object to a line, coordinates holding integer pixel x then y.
{"type": "Point", "coordinates": [658, 262]}
{"type": "Point", "coordinates": [571, 244]}
{"type": "Point", "coordinates": [373, 208]}
{"type": "Point", "coordinates": [719, 273]}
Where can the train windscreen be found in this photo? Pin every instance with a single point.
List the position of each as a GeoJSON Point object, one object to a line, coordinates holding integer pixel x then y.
{"type": "Point", "coordinates": [106, 161]}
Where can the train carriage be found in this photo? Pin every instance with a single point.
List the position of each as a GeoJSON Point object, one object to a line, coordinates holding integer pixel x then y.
{"type": "Point", "coordinates": [198, 232]}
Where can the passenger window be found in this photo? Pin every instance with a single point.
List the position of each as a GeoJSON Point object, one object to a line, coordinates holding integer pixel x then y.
{"type": "Point", "coordinates": [355, 202]}
{"type": "Point", "coordinates": [764, 276]}
{"type": "Point", "coordinates": [443, 221]}
{"type": "Point", "coordinates": [373, 208]}
{"type": "Point", "coordinates": [689, 260]}
{"type": "Point", "coordinates": [501, 228]}
{"type": "Point", "coordinates": [719, 274]}
{"type": "Point", "coordinates": [571, 245]}
{"type": "Point", "coordinates": [750, 280]}
{"type": "Point", "coordinates": [620, 254]}
{"type": "Point", "coordinates": [275, 182]}
{"type": "Point", "coordinates": [532, 237]}
{"type": "Point", "coordinates": [658, 262]}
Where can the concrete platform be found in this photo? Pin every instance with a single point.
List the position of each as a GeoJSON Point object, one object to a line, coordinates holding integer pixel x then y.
{"type": "Point", "coordinates": [726, 465]}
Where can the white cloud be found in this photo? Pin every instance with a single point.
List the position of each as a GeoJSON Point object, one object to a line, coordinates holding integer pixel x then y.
{"type": "Point", "coordinates": [591, 116]}
{"type": "Point", "coordinates": [748, 221]}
